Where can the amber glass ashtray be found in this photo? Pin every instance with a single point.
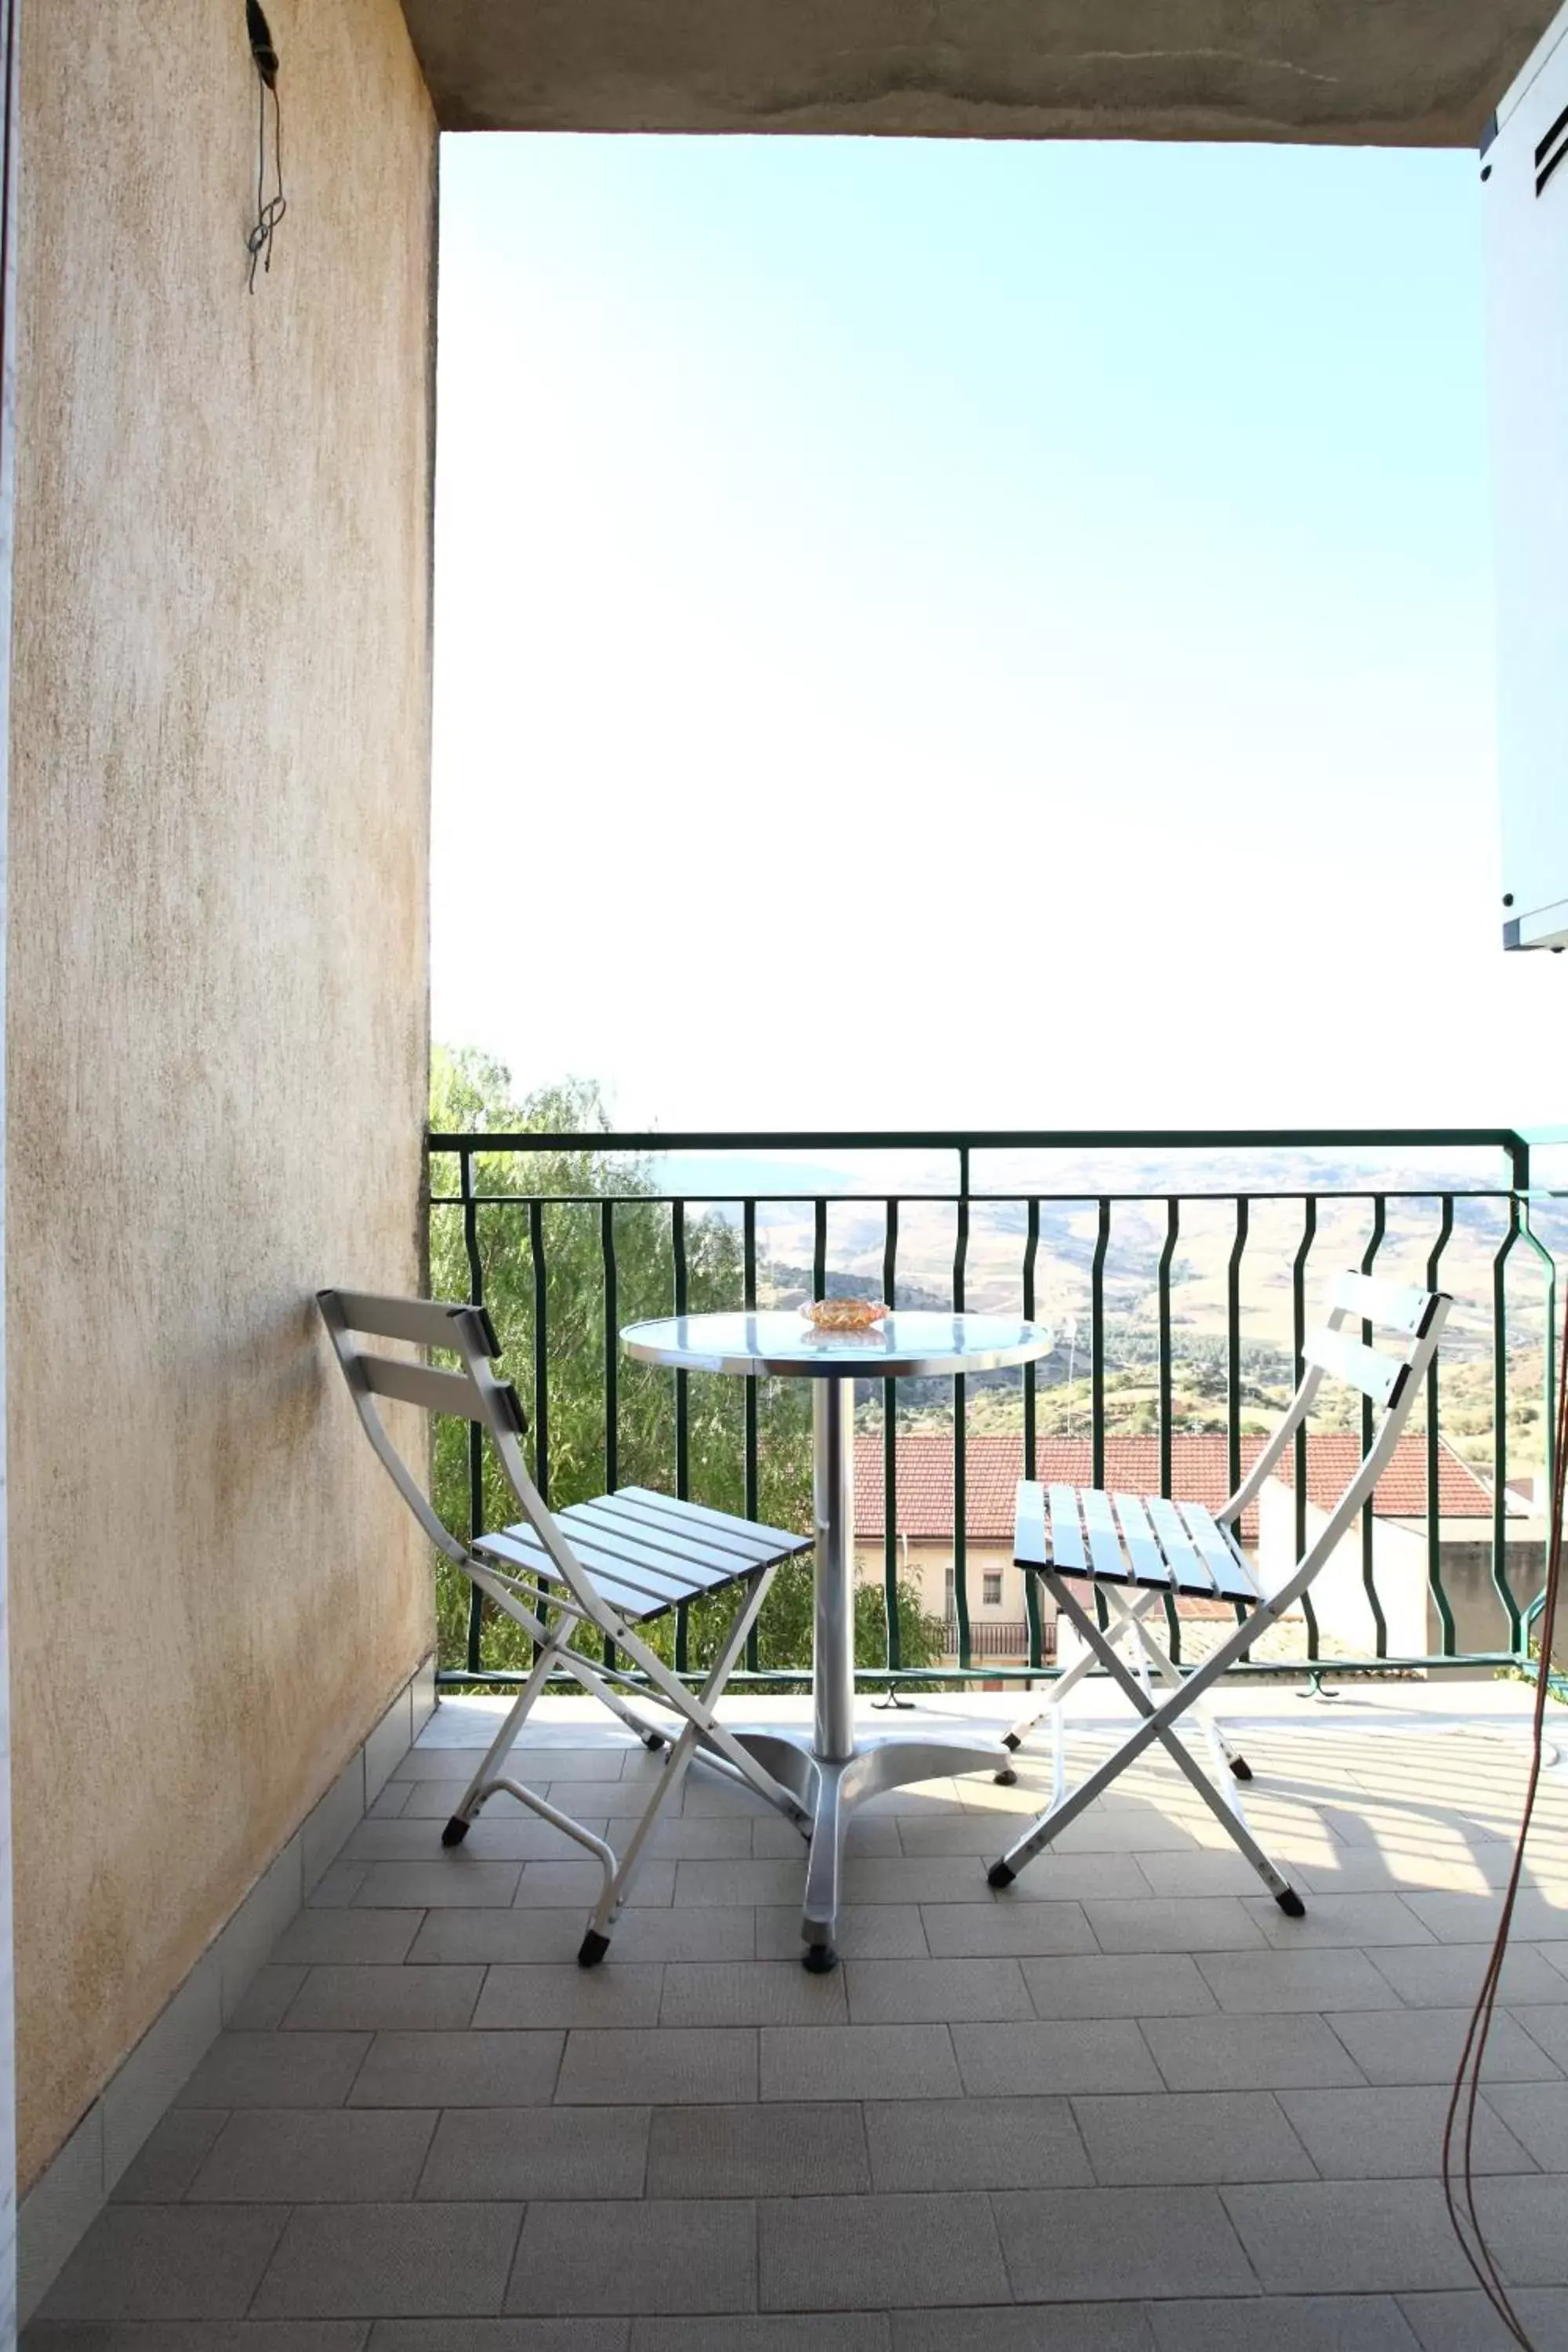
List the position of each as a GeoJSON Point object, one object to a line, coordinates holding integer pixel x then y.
{"type": "Point", "coordinates": [845, 1314]}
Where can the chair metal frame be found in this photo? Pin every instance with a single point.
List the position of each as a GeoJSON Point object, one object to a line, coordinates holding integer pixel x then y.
{"type": "Point", "coordinates": [1125, 1562]}
{"type": "Point", "coordinates": [532, 1574]}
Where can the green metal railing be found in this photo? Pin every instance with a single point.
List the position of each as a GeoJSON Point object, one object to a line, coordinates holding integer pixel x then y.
{"type": "Point", "coordinates": [481, 1182]}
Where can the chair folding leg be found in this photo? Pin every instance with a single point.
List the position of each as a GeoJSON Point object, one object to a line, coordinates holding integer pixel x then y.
{"type": "Point", "coordinates": [597, 1941]}
{"type": "Point", "coordinates": [1134, 1616]}
{"type": "Point", "coordinates": [1158, 1723]}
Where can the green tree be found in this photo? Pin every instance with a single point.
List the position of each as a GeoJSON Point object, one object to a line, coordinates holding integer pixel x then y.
{"type": "Point", "coordinates": [544, 1232]}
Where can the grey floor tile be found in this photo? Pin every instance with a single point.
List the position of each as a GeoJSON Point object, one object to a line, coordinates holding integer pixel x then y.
{"type": "Point", "coordinates": [1392, 2133]}
{"type": "Point", "coordinates": [338, 1884]}
{"type": "Point", "coordinates": [168, 2160]}
{"type": "Point", "coordinates": [858, 2062]}
{"type": "Point", "coordinates": [719, 1838]}
{"type": "Point", "coordinates": [197, 2335]}
{"type": "Point", "coordinates": [1449, 1976]}
{"type": "Point", "coordinates": [1043, 2327]}
{"type": "Point", "coordinates": [1370, 2237]}
{"type": "Point", "coordinates": [1164, 1923]}
{"type": "Point", "coordinates": [943, 2144]}
{"type": "Point", "coordinates": [1522, 2214]}
{"type": "Point", "coordinates": [639, 1938]}
{"type": "Point", "coordinates": [863, 2254]}
{"type": "Point", "coordinates": [577, 1886]}
{"type": "Point", "coordinates": [859, 2331]}
{"type": "Point", "coordinates": [664, 2065]}
{"type": "Point", "coordinates": [1062, 2243]}
{"type": "Point", "coordinates": [751, 1992]}
{"type": "Point", "coordinates": [1368, 1920]}
{"type": "Point", "coordinates": [456, 1879]}
{"type": "Point", "coordinates": [1055, 2054]}
{"type": "Point", "coordinates": [1457, 1918]}
{"type": "Point", "coordinates": [773, 1839]}
{"type": "Point", "coordinates": [1536, 2115]}
{"type": "Point", "coordinates": [918, 1879]}
{"type": "Point", "coordinates": [348, 1938]}
{"type": "Point", "coordinates": [734, 1885]}
{"type": "Point", "coordinates": [561, 1993]}
{"type": "Point", "coordinates": [900, 1992]}
{"type": "Point", "coordinates": [716, 1934]}
{"type": "Point", "coordinates": [1465, 2322]}
{"type": "Point", "coordinates": [307, 2155]}
{"type": "Point", "coordinates": [675, 2255]}
{"type": "Point", "coordinates": [1190, 2136]}
{"type": "Point", "coordinates": [1122, 1984]}
{"type": "Point", "coordinates": [381, 1999]}
{"type": "Point", "coordinates": [1328, 2323]}
{"type": "Point", "coordinates": [876, 1931]}
{"type": "Point", "coordinates": [266, 2001]}
{"type": "Point", "coordinates": [496, 1836]}
{"type": "Point", "coordinates": [524, 2152]}
{"type": "Point", "coordinates": [500, 2335]}
{"type": "Point", "coordinates": [1424, 2045]}
{"type": "Point", "coordinates": [276, 2070]}
{"type": "Point", "coordinates": [405, 2262]}
{"type": "Point", "coordinates": [1266, 1983]}
{"type": "Point", "coordinates": [459, 2070]}
{"type": "Point", "coordinates": [1248, 2053]}
{"type": "Point", "coordinates": [1547, 2028]}
{"type": "Point", "coordinates": [1211, 1869]}
{"type": "Point", "coordinates": [1004, 1929]}
{"type": "Point", "coordinates": [167, 2262]}
{"type": "Point", "coordinates": [768, 2150]}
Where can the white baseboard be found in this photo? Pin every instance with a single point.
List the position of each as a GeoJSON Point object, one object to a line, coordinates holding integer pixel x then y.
{"type": "Point", "coordinates": [72, 2190]}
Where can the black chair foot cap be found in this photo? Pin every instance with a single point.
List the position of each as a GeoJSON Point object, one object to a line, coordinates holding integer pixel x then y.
{"type": "Point", "coordinates": [654, 1740]}
{"type": "Point", "coordinates": [1241, 1768]}
{"type": "Point", "coordinates": [1011, 1739]}
{"type": "Point", "coordinates": [591, 1949]}
{"type": "Point", "coordinates": [1000, 1876]}
{"type": "Point", "coordinates": [1006, 1777]}
{"type": "Point", "coordinates": [820, 1958]}
{"type": "Point", "coordinates": [456, 1831]}
{"type": "Point", "coordinates": [1291, 1903]}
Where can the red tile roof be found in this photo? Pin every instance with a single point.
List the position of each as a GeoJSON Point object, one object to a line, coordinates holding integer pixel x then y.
{"type": "Point", "coordinates": [1199, 1472]}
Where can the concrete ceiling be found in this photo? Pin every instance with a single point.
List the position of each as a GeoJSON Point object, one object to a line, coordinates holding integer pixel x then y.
{"type": "Point", "coordinates": [1364, 72]}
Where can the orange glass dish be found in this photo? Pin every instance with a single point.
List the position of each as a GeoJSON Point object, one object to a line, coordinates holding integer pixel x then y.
{"type": "Point", "coordinates": [845, 1314]}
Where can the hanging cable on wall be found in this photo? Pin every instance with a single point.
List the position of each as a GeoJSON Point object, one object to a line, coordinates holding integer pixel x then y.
{"type": "Point", "coordinates": [269, 210]}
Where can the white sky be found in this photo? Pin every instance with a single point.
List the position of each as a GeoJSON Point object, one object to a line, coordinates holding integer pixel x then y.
{"type": "Point", "coordinates": [934, 633]}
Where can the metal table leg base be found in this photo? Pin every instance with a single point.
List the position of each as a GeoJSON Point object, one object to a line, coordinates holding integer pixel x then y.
{"type": "Point", "coordinates": [832, 1789]}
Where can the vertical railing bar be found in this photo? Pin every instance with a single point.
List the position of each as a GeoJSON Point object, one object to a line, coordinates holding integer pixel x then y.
{"type": "Point", "coordinates": [1031, 1465]}
{"type": "Point", "coordinates": [1298, 1442]}
{"type": "Point", "coordinates": [540, 1350]}
{"type": "Point", "coordinates": [1518, 1641]}
{"type": "Point", "coordinates": [1368, 1518]}
{"type": "Point", "coordinates": [1435, 1584]}
{"type": "Point", "coordinates": [819, 1253]}
{"type": "Point", "coordinates": [890, 1454]}
{"type": "Point", "coordinates": [612, 1349]}
{"type": "Point", "coordinates": [1097, 1372]}
{"type": "Point", "coordinates": [1167, 1258]}
{"type": "Point", "coordinates": [749, 1302]}
{"type": "Point", "coordinates": [476, 1436]}
{"type": "Point", "coordinates": [1549, 1397]}
{"type": "Point", "coordinates": [682, 1413]}
{"type": "Point", "coordinates": [1233, 1352]}
{"type": "Point", "coordinates": [960, 1429]}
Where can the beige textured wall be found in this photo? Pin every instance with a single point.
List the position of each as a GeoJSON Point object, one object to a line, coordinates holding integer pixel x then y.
{"type": "Point", "coordinates": [217, 1022]}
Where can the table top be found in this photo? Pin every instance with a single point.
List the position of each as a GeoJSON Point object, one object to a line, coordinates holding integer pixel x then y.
{"type": "Point", "coordinates": [905, 1345]}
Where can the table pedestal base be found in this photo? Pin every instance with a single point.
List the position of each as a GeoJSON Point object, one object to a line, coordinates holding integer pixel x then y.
{"type": "Point", "coordinates": [829, 1791]}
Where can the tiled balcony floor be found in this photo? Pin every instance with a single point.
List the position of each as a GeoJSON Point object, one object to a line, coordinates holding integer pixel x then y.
{"type": "Point", "coordinates": [1126, 2103]}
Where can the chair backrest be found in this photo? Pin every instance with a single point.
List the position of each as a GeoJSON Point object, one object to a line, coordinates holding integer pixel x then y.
{"type": "Point", "coordinates": [1391, 1379]}
{"type": "Point", "coordinates": [472, 1394]}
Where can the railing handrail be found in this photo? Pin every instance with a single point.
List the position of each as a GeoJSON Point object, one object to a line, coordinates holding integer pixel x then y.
{"type": "Point", "coordinates": [1282, 1139]}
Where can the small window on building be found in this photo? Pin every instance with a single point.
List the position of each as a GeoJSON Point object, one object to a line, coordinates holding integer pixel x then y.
{"type": "Point", "coordinates": [992, 1588]}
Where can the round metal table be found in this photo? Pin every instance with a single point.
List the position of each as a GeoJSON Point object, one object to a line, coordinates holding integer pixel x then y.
{"type": "Point", "coordinates": [835, 1773]}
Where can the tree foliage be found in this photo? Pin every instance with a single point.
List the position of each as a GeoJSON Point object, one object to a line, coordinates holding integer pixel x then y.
{"type": "Point", "coordinates": [561, 1267]}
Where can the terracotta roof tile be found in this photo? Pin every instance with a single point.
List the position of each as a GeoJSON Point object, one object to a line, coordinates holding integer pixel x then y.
{"type": "Point", "coordinates": [1199, 1472]}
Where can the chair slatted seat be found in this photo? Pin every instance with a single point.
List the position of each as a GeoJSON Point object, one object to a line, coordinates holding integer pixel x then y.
{"type": "Point", "coordinates": [615, 1565]}
{"type": "Point", "coordinates": [1138, 1552]}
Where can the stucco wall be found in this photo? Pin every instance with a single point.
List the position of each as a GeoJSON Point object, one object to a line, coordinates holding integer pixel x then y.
{"type": "Point", "coordinates": [217, 1009]}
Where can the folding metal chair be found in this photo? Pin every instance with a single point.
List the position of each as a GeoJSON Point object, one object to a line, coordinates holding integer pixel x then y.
{"type": "Point", "coordinates": [1140, 1551]}
{"type": "Point", "coordinates": [615, 1565]}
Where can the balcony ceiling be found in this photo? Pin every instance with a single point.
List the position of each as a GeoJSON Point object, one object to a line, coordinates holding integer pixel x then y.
{"type": "Point", "coordinates": [1364, 72]}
